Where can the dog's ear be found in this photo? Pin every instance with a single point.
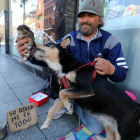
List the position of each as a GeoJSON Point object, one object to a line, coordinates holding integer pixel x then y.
{"type": "Point", "coordinates": [65, 43]}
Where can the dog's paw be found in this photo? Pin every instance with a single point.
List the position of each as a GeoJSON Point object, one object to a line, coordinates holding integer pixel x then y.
{"type": "Point", "coordinates": [99, 137]}
{"type": "Point", "coordinates": [28, 47]}
{"type": "Point", "coordinates": [27, 55]}
{"type": "Point", "coordinates": [71, 109]}
{"type": "Point", "coordinates": [44, 126]}
{"type": "Point", "coordinates": [21, 60]}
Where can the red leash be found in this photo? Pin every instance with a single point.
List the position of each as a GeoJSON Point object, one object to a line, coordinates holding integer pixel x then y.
{"type": "Point", "coordinates": [65, 82]}
{"type": "Point", "coordinates": [88, 64]}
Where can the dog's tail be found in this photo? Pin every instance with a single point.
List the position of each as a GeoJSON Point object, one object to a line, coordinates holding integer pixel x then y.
{"type": "Point", "coordinates": [138, 104]}
{"type": "Point", "coordinates": [138, 133]}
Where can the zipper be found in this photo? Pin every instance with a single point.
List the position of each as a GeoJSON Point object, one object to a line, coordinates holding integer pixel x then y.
{"type": "Point", "coordinates": [88, 52]}
{"type": "Point", "coordinates": [88, 47]}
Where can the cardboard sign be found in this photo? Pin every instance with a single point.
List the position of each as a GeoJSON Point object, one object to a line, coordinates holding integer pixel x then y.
{"type": "Point", "coordinates": [22, 117]}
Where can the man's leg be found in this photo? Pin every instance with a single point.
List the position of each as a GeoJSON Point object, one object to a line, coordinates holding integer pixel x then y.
{"type": "Point", "coordinates": [89, 121]}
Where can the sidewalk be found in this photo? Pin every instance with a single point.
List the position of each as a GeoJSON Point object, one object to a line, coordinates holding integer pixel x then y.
{"type": "Point", "coordinates": [16, 85]}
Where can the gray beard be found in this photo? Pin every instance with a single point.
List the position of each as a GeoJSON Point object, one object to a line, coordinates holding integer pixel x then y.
{"type": "Point", "coordinates": [87, 32]}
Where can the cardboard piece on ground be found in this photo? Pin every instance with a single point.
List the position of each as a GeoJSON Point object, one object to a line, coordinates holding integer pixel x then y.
{"type": "Point", "coordinates": [22, 117]}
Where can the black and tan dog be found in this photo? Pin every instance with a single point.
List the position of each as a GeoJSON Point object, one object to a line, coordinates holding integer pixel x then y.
{"type": "Point", "coordinates": [119, 114]}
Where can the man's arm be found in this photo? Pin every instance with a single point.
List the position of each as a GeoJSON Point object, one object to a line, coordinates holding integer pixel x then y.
{"type": "Point", "coordinates": [114, 66]}
{"type": "Point", "coordinates": [21, 46]}
{"type": "Point", "coordinates": [37, 62]}
{"type": "Point", "coordinates": [22, 49]}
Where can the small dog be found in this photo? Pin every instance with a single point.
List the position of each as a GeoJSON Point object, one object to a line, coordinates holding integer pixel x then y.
{"type": "Point", "coordinates": [113, 107]}
{"type": "Point", "coordinates": [119, 114]}
{"type": "Point", "coordinates": [24, 31]}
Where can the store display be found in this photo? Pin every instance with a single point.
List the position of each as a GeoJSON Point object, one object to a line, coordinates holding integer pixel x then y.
{"type": "Point", "coordinates": [106, 10]}
{"type": "Point", "coordinates": [134, 8]}
{"type": "Point", "coordinates": [115, 12]}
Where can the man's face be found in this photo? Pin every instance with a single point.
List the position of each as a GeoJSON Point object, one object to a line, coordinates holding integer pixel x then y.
{"type": "Point", "coordinates": [88, 23]}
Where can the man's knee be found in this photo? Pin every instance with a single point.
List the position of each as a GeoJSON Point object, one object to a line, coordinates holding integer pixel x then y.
{"type": "Point", "coordinates": [92, 123]}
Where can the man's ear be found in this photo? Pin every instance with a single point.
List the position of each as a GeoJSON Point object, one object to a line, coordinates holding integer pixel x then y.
{"type": "Point", "coordinates": [65, 43]}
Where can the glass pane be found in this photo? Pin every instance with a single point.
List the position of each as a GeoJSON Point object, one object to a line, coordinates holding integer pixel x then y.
{"type": "Point", "coordinates": [50, 20]}
{"type": "Point", "coordinates": [119, 11]}
{"type": "Point", "coordinates": [123, 21]}
{"type": "Point", "coordinates": [16, 18]}
{"type": "Point", "coordinates": [70, 16]}
{"type": "Point", "coordinates": [2, 34]}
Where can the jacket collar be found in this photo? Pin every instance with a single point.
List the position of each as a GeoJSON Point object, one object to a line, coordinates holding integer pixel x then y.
{"type": "Point", "coordinates": [97, 36]}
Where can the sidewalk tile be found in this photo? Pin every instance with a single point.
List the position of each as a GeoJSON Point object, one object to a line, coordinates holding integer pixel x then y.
{"type": "Point", "coordinates": [60, 127]}
{"type": "Point", "coordinates": [7, 96]}
{"type": "Point", "coordinates": [3, 84]}
{"type": "Point", "coordinates": [20, 81]}
{"type": "Point", "coordinates": [26, 91]}
{"type": "Point", "coordinates": [6, 107]}
{"type": "Point", "coordinates": [1, 77]}
{"type": "Point", "coordinates": [32, 133]}
{"type": "Point", "coordinates": [42, 109]}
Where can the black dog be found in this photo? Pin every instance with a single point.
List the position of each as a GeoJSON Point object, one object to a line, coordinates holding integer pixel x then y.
{"type": "Point", "coordinates": [113, 107]}
{"type": "Point", "coordinates": [119, 114]}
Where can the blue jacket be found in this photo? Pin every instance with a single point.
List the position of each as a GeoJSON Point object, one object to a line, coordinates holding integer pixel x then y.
{"type": "Point", "coordinates": [105, 44]}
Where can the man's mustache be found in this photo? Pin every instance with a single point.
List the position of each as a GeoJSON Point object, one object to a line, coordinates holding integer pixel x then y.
{"type": "Point", "coordinates": [85, 24]}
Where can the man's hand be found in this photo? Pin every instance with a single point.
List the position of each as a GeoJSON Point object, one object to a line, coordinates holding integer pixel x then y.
{"type": "Point", "coordinates": [21, 46]}
{"type": "Point", "coordinates": [104, 67]}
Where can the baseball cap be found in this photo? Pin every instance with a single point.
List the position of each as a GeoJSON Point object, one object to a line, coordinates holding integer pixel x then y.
{"type": "Point", "coordinates": [92, 6]}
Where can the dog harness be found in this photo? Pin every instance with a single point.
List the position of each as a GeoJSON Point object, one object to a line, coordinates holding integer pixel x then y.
{"type": "Point", "coordinates": [32, 51]}
{"type": "Point", "coordinates": [65, 82]}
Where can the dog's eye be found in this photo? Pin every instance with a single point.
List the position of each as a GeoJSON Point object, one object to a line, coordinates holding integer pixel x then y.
{"type": "Point", "coordinates": [50, 45]}
{"type": "Point", "coordinates": [47, 44]}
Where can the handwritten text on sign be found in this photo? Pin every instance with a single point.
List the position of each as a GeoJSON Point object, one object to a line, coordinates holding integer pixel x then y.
{"type": "Point", "coordinates": [22, 117]}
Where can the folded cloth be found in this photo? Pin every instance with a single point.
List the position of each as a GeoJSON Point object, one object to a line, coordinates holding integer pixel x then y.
{"type": "Point", "coordinates": [82, 133]}
{"type": "Point", "coordinates": [131, 95]}
{"type": "Point", "coordinates": [60, 113]}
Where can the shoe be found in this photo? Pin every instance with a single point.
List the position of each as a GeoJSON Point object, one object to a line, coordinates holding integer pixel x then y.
{"type": "Point", "coordinates": [60, 113]}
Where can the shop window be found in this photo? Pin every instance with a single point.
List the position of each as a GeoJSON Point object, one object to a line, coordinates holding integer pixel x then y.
{"type": "Point", "coordinates": [51, 9]}
{"type": "Point", "coordinates": [62, 8]}
{"type": "Point", "coordinates": [38, 25]}
{"type": "Point", "coordinates": [46, 1]}
{"type": "Point", "coordinates": [47, 22]}
{"type": "Point", "coordinates": [65, 9]}
{"type": "Point", "coordinates": [47, 11]}
{"type": "Point", "coordinates": [50, 21]}
{"type": "Point", "coordinates": [117, 8]}
{"type": "Point", "coordinates": [40, 18]}
{"type": "Point", "coordinates": [121, 14]}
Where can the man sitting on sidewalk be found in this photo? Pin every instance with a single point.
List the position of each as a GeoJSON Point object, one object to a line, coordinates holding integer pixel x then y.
{"type": "Point", "coordinates": [91, 43]}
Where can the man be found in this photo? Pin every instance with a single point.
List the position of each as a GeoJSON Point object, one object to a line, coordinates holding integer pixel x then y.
{"type": "Point", "coordinates": [90, 43]}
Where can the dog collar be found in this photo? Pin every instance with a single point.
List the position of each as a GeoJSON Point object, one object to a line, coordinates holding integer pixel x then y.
{"type": "Point", "coordinates": [65, 82]}
{"type": "Point", "coordinates": [32, 52]}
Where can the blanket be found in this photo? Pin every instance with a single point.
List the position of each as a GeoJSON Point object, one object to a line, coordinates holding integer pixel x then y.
{"type": "Point", "coordinates": [82, 133]}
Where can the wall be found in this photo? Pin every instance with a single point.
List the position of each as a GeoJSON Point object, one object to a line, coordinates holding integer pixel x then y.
{"type": "Point", "coordinates": [122, 19]}
{"type": "Point", "coordinates": [3, 5]}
